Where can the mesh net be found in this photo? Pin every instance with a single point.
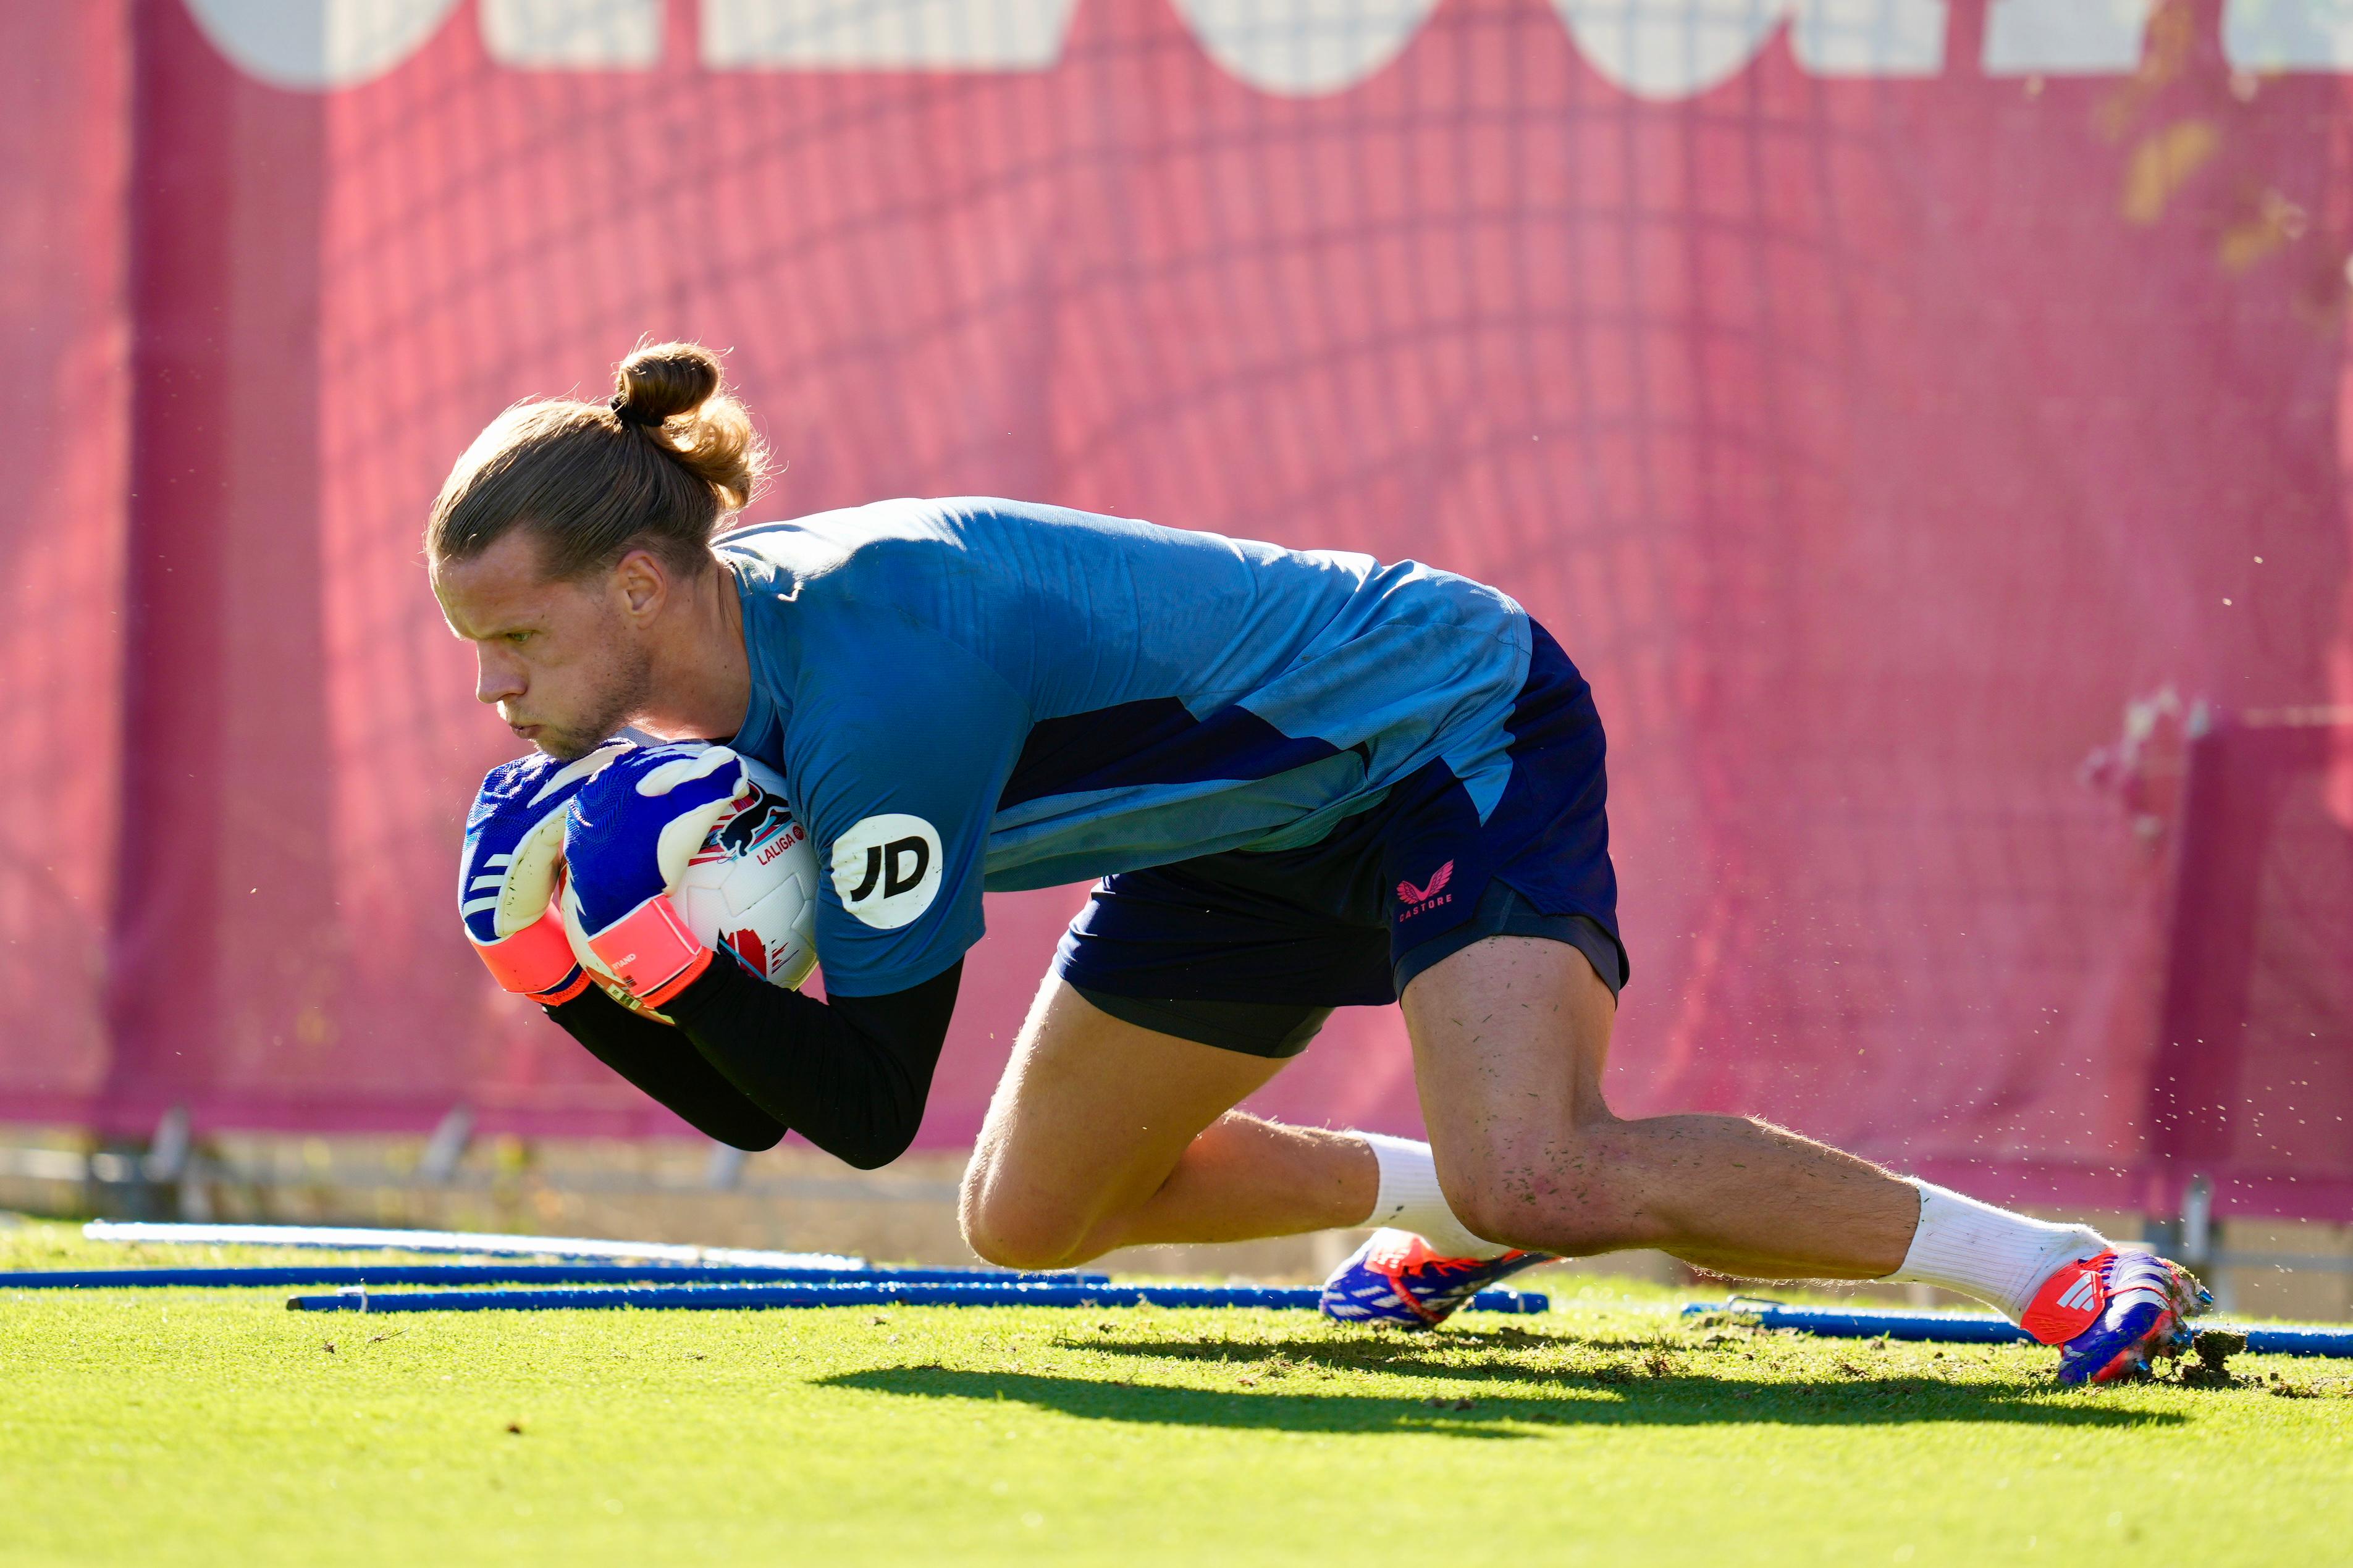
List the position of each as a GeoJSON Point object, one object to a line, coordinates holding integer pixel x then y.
{"type": "Point", "coordinates": [2252, 1086]}
{"type": "Point", "coordinates": [64, 141]}
{"type": "Point", "coordinates": [1868, 413]}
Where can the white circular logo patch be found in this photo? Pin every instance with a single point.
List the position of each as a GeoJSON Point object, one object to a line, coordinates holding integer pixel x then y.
{"type": "Point", "coordinates": [887, 869]}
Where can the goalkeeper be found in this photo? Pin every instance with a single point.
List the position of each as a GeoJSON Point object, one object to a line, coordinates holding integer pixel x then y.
{"type": "Point", "coordinates": [1305, 779]}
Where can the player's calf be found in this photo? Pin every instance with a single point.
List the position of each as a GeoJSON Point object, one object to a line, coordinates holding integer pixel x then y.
{"type": "Point", "coordinates": [1529, 1208]}
{"type": "Point", "coordinates": [1576, 1189]}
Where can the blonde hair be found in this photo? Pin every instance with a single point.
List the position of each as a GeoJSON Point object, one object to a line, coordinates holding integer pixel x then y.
{"type": "Point", "coordinates": [660, 467]}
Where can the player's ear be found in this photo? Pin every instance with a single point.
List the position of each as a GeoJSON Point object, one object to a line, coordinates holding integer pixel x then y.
{"type": "Point", "coordinates": [641, 583]}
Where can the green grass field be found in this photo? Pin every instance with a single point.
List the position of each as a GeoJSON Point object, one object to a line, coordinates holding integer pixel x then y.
{"type": "Point", "coordinates": [214, 1426]}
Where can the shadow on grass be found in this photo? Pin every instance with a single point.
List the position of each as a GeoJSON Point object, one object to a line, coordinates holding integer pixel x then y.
{"type": "Point", "coordinates": [1491, 1356]}
{"type": "Point", "coordinates": [1515, 1402]}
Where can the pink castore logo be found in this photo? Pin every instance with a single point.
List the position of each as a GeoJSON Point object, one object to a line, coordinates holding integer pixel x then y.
{"type": "Point", "coordinates": [1409, 894]}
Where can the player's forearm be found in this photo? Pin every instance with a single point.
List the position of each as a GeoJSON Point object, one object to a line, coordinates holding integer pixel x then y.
{"type": "Point", "coordinates": [650, 1055]}
{"type": "Point", "coordinates": [851, 1076]}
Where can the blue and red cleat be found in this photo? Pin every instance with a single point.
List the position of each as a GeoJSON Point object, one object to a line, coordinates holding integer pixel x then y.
{"type": "Point", "coordinates": [1397, 1277]}
{"type": "Point", "coordinates": [2109, 1314]}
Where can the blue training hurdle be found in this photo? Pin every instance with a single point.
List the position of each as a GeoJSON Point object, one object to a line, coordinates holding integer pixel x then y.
{"type": "Point", "coordinates": [374, 1274]}
{"type": "Point", "coordinates": [708, 1298]}
{"type": "Point", "coordinates": [365, 1238]}
{"type": "Point", "coordinates": [1986, 1328]}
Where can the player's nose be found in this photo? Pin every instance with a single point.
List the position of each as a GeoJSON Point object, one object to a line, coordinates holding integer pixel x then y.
{"type": "Point", "coordinates": [496, 678]}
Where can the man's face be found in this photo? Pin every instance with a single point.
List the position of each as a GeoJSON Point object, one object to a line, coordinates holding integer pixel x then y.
{"type": "Point", "coordinates": [565, 661]}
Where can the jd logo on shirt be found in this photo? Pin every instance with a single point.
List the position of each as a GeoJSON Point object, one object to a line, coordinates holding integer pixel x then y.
{"type": "Point", "coordinates": [887, 869]}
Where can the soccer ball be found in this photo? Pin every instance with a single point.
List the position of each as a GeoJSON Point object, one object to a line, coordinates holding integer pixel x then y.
{"type": "Point", "coordinates": [750, 891]}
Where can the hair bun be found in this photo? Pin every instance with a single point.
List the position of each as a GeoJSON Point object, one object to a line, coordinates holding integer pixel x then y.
{"type": "Point", "coordinates": [659, 382]}
{"type": "Point", "coordinates": [660, 466]}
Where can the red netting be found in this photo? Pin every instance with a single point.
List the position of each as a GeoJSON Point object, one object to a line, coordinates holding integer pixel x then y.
{"type": "Point", "coordinates": [65, 143]}
{"type": "Point", "coordinates": [2252, 1083]}
{"type": "Point", "coordinates": [1869, 418]}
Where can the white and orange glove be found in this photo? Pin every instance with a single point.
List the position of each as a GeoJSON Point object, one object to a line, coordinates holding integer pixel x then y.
{"type": "Point", "coordinates": [506, 877]}
{"type": "Point", "coordinates": [626, 840]}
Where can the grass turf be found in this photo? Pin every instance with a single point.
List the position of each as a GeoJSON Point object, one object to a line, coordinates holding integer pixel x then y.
{"type": "Point", "coordinates": [213, 1425]}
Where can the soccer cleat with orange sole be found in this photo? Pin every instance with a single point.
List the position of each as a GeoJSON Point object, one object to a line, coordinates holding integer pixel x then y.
{"type": "Point", "coordinates": [2109, 1314]}
{"type": "Point", "coordinates": [1398, 1277]}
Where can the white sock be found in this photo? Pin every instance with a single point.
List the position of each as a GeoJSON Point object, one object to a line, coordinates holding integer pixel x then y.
{"type": "Point", "coordinates": [1999, 1258]}
{"type": "Point", "coordinates": [1409, 1199]}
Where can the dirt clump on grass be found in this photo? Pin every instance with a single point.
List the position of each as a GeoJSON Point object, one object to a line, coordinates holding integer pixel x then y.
{"type": "Point", "coordinates": [1723, 1319]}
{"type": "Point", "coordinates": [2215, 1347]}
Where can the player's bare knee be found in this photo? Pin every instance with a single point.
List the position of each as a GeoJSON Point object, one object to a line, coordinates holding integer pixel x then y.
{"type": "Point", "coordinates": [1542, 1221]}
{"type": "Point", "coordinates": [1015, 1235]}
{"type": "Point", "coordinates": [1015, 1245]}
{"type": "Point", "coordinates": [1546, 1198]}
{"type": "Point", "coordinates": [1481, 1199]}
{"type": "Point", "coordinates": [973, 1186]}
{"type": "Point", "coordinates": [1009, 1251]}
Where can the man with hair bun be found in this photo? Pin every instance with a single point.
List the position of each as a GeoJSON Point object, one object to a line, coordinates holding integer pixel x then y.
{"type": "Point", "coordinates": [1305, 779]}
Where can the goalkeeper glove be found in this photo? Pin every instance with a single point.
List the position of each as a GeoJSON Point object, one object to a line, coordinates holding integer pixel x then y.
{"type": "Point", "coordinates": [506, 877]}
{"type": "Point", "coordinates": [626, 840]}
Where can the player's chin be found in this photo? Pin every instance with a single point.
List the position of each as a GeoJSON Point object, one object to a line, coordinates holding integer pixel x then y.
{"type": "Point", "coordinates": [562, 744]}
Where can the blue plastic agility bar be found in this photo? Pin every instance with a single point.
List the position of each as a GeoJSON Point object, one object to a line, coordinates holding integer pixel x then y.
{"type": "Point", "coordinates": [875, 1294]}
{"type": "Point", "coordinates": [362, 1238]}
{"type": "Point", "coordinates": [1985, 1328]}
{"type": "Point", "coordinates": [501, 1274]}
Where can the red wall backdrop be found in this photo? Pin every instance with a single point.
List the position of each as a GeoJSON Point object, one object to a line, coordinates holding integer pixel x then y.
{"type": "Point", "coordinates": [65, 214]}
{"type": "Point", "coordinates": [1870, 439]}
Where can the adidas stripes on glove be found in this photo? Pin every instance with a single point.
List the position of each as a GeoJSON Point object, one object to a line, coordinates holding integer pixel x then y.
{"type": "Point", "coordinates": [506, 876]}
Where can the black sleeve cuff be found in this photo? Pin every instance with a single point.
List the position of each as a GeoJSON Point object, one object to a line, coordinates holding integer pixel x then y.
{"type": "Point", "coordinates": [653, 1057]}
{"type": "Point", "coordinates": [849, 1075]}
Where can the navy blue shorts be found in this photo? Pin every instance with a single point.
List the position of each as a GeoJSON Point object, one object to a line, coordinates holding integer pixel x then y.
{"type": "Point", "coordinates": [1252, 951]}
